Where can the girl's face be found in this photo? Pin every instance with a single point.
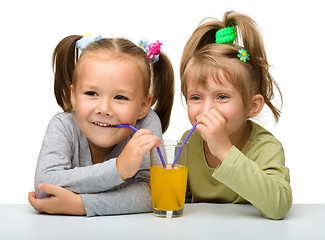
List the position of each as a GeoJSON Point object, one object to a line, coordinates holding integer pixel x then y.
{"type": "Point", "coordinates": [108, 92]}
{"type": "Point", "coordinates": [224, 97]}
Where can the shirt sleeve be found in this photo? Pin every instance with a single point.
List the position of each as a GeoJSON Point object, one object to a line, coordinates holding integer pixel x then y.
{"type": "Point", "coordinates": [55, 165]}
{"type": "Point", "coordinates": [133, 196]}
{"type": "Point", "coordinates": [263, 182]}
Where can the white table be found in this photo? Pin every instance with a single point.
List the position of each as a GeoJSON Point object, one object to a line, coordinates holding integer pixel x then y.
{"type": "Point", "coordinates": [200, 221]}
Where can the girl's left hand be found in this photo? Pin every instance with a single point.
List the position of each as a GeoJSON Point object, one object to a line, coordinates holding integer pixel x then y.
{"type": "Point", "coordinates": [62, 201]}
{"type": "Point", "coordinates": [129, 161]}
{"type": "Point", "coordinates": [212, 127]}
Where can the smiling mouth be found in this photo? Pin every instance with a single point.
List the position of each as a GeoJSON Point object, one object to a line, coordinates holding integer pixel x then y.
{"type": "Point", "coordinates": [102, 124]}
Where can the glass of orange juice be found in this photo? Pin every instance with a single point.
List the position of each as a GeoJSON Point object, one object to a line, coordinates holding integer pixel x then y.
{"type": "Point", "coordinates": [168, 183]}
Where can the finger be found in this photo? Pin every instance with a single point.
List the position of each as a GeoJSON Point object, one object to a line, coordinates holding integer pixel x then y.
{"type": "Point", "coordinates": [205, 121]}
{"type": "Point", "coordinates": [211, 118]}
{"type": "Point", "coordinates": [50, 188]}
{"type": "Point", "coordinates": [31, 197]}
{"type": "Point", "coordinates": [148, 142]}
{"type": "Point", "coordinates": [36, 203]}
{"type": "Point", "coordinates": [144, 136]}
{"type": "Point", "coordinates": [142, 132]}
{"type": "Point", "coordinates": [212, 114]}
{"type": "Point", "coordinates": [217, 114]}
{"type": "Point", "coordinates": [32, 194]}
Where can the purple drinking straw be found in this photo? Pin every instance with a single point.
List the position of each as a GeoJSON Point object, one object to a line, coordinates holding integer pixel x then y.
{"type": "Point", "coordinates": [134, 129]}
{"type": "Point", "coordinates": [125, 125]}
{"type": "Point", "coordinates": [185, 141]}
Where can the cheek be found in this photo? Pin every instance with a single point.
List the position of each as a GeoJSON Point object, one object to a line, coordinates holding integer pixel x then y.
{"type": "Point", "coordinates": [126, 114]}
{"type": "Point", "coordinates": [234, 115]}
{"type": "Point", "coordinates": [82, 107]}
{"type": "Point", "coordinates": [192, 112]}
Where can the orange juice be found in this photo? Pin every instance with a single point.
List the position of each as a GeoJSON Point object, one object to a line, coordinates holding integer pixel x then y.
{"type": "Point", "coordinates": [168, 187]}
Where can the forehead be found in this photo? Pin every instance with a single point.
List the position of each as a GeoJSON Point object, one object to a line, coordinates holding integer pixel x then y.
{"type": "Point", "coordinates": [107, 57]}
{"type": "Point", "coordinates": [210, 86]}
{"type": "Point", "coordinates": [203, 75]}
{"type": "Point", "coordinates": [109, 68]}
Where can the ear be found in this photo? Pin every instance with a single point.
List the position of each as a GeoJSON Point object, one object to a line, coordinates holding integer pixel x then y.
{"type": "Point", "coordinates": [256, 106]}
{"type": "Point", "coordinates": [145, 107]}
{"type": "Point", "coordinates": [72, 96]}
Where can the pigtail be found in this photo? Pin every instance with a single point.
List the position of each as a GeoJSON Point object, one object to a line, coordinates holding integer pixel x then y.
{"type": "Point", "coordinates": [163, 89]}
{"type": "Point", "coordinates": [64, 60]}
{"type": "Point", "coordinates": [252, 41]}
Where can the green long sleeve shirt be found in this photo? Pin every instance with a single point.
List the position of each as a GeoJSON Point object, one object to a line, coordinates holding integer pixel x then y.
{"type": "Point", "coordinates": [257, 174]}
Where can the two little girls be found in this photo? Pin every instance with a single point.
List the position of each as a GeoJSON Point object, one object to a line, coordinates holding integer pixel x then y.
{"type": "Point", "coordinates": [225, 80]}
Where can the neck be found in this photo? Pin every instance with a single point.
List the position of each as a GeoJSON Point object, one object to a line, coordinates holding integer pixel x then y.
{"type": "Point", "coordinates": [241, 136]}
{"type": "Point", "coordinates": [98, 154]}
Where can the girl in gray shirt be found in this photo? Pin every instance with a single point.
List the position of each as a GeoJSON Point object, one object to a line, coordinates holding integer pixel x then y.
{"type": "Point", "coordinates": [87, 166]}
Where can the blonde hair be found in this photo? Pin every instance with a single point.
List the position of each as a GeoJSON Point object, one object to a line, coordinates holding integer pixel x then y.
{"type": "Point", "coordinates": [202, 57]}
{"type": "Point", "coordinates": [159, 77]}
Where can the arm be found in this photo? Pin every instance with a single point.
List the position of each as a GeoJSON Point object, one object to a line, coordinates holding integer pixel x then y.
{"type": "Point", "coordinates": [263, 182]}
{"type": "Point", "coordinates": [132, 197]}
{"type": "Point", "coordinates": [63, 161]}
{"type": "Point", "coordinates": [61, 201]}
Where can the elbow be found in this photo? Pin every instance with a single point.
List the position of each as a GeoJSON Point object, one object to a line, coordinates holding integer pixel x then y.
{"type": "Point", "coordinates": [278, 210]}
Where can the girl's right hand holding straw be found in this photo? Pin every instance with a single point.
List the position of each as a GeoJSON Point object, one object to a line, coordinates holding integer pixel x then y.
{"type": "Point", "coordinates": [212, 127]}
{"type": "Point", "coordinates": [129, 161]}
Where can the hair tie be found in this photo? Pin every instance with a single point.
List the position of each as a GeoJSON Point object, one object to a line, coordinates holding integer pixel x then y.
{"type": "Point", "coordinates": [86, 40]}
{"type": "Point", "coordinates": [226, 35]}
{"type": "Point", "coordinates": [151, 49]}
{"type": "Point", "coordinates": [243, 55]}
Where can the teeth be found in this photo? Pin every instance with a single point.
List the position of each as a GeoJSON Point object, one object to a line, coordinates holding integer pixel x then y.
{"type": "Point", "coordinates": [102, 124]}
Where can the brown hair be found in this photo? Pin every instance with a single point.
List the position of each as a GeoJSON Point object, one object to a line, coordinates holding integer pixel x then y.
{"type": "Point", "coordinates": [203, 57]}
{"type": "Point", "coordinates": [160, 74]}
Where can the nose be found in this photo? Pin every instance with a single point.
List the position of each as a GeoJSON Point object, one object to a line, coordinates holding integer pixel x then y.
{"type": "Point", "coordinates": [207, 105]}
{"type": "Point", "coordinates": [104, 107]}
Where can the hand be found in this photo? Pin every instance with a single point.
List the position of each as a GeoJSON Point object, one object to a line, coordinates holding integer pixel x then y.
{"type": "Point", "coordinates": [130, 159]}
{"type": "Point", "coordinates": [62, 201]}
{"type": "Point", "coordinates": [212, 127]}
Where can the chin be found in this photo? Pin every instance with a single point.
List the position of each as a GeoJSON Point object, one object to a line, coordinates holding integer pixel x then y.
{"type": "Point", "coordinates": [102, 144]}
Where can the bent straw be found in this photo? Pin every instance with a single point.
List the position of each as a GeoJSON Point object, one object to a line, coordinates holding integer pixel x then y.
{"type": "Point", "coordinates": [125, 125]}
{"type": "Point", "coordinates": [185, 141]}
{"type": "Point", "coordinates": [134, 129]}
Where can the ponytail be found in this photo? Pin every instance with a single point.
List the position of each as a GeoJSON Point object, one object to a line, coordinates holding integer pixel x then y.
{"type": "Point", "coordinates": [163, 89]}
{"type": "Point", "coordinates": [253, 43]}
{"type": "Point", "coordinates": [64, 60]}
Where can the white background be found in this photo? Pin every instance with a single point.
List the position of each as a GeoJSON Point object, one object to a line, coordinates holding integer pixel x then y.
{"type": "Point", "coordinates": [293, 33]}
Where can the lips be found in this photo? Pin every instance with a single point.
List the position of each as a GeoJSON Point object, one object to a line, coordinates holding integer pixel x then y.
{"type": "Point", "coordinates": [102, 124]}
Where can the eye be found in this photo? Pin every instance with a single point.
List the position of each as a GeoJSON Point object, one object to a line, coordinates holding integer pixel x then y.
{"type": "Point", "coordinates": [91, 93]}
{"type": "Point", "coordinates": [222, 97]}
{"type": "Point", "coordinates": [195, 98]}
{"type": "Point", "coordinates": [120, 97]}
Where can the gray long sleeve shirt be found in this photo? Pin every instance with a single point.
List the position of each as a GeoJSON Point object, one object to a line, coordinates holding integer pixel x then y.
{"type": "Point", "coordinates": [65, 161]}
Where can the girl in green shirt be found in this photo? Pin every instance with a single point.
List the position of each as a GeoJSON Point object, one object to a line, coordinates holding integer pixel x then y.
{"type": "Point", "coordinates": [226, 81]}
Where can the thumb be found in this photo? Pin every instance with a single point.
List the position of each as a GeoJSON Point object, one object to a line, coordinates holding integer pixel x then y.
{"type": "Point", "coordinates": [49, 188]}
